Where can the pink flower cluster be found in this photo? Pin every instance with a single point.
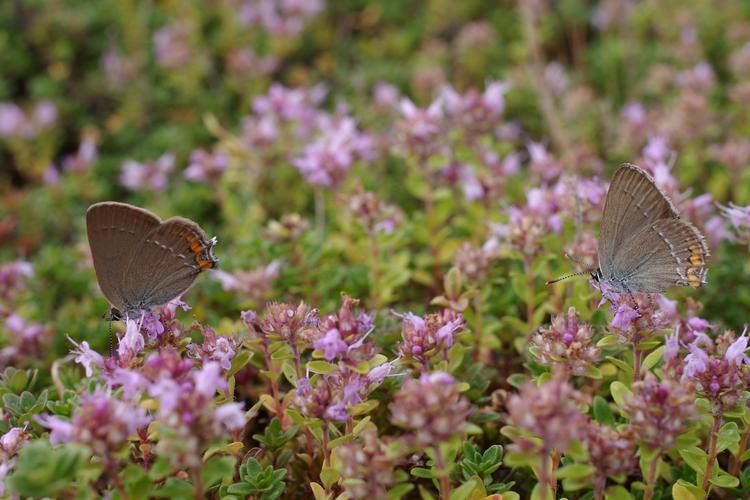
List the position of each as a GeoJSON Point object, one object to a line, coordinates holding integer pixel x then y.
{"type": "Point", "coordinates": [15, 123]}
{"type": "Point", "coordinates": [279, 17]}
{"type": "Point", "coordinates": [151, 176]}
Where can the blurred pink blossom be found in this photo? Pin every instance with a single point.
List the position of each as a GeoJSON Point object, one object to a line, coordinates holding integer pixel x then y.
{"type": "Point", "coordinates": [172, 45]}
{"type": "Point", "coordinates": [327, 160]}
{"type": "Point", "coordinates": [206, 166]}
{"type": "Point", "coordinates": [152, 175]}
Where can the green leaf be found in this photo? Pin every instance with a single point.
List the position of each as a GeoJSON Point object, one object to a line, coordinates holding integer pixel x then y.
{"type": "Point", "coordinates": [728, 438]}
{"type": "Point", "coordinates": [239, 361]}
{"type": "Point", "coordinates": [42, 470]}
{"type": "Point", "coordinates": [617, 493]}
{"type": "Point", "coordinates": [593, 372]}
{"type": "Point", "coordinates": [218, 468]}
{"type": "Point", "coordinates": [321, 367]}
{"type": "Point", "coordinates": [136, 481]}
{"type": "Point", "coordinates": [620, 393]}
{"type": "Point", "coordinates": [627, 368]}
{"type": "Point", "coordinates": [161, 468]}
{"type": "Point", "coordinates": [399, 491]}
{"type": "Point", "coordinates": [422, 472]}
{"type": "Point", "coordinates": [576, 471]}
{"type": "Point", "coordinates": [329, 476]}
{"type": "Point", "coordinates": [607, 341]}
{"type": "Point", "coordinates": [318, 492]}
{"type": "Point", "coordinates": [602, 411]}
{"type": "Point", "coordinates": [467, 489]}
{"type": "Point", "coordinates": [682, 490]}
{"type": "Point", "coordinates": [724, 480]}
{"type": "Point", "coordinates": [695, 458]}
{"type": "Point", "coordinates": [652, 359]}
{"type": "Point", "coordinates": [175, 488]}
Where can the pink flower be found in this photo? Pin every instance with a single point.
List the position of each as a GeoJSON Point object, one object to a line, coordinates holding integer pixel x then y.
{"type": "Point", "coordinates": [208, 380]}
{"type": "Point", "coordinates": [331, 344]}
{"type": "Point", "coordinates": [327, 160]}
{"type": "Point", "coordinates": [657, 150]}
{"type": "Point", "coordinates": [62, 431]}
{"type": "Point", "coordinates": [337, 412]}
{"type": "Point", "coordinates": [254, 283]}
{"type": "Point", "coordinates": [378, 374]}
{"type": "Point", "coordinates": [386, 95]}
{"type": "Point", "coordinates": [445, 333]}
{"type": "Point", "coordinates": [624, 317]}
{"type": "Point", "coordinates": [230, 416]}
{"type": "Point", "coordinates": [28, 332]}
{"type": "Point", "coordinates": [84, 157]}
{"type": "Point", "coordinates": [152, 175]}
{"type": "Point", "coordinates": [205, 166]}
{"type": "Point", "coordinates": [152, 325]}
{"type": "Point", "coordinates": [12, 440]}
{"type": "Point", "coordinates": [172, 45]}
{"type": "Point", "coordinates": [542, 164]}
{"type": "Point", "coordinates": [419, 130]}
{"type": "Point", "coordinates": [168, 393]}
{"type": "Point", "coordinates": [635, 114]}
{"type": "Point", "coordinates": [672, 346]}
{"type": "Point", "coordinates": [44, 114]}
{"type": "Point", "coordinates": [132, 342]}
{"type": "Point", "coordinates": [13, 121]}
{"type": "Point", "coordinates": [736, 351]}
{"type": "Point", "coordinates": [132, 382]}
{"type": "Point", "coordinates": [696, 362]}
{"type": "Point", "coordinates": [87, 357]}
{"type": "Point", "coordinates": [737, 215]}
{"type": "Point", "coordinates": [101, 422]}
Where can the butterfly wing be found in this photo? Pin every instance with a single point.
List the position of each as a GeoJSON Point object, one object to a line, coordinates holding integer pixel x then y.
{"type": "Point", "coordinates": [167, 262]}
{"type": "Point", "coordinates": [664, 253]}
{"type": "Point", "coordinates": [633, 202]}
{"type": "Point", "coordinates": [115, 230]}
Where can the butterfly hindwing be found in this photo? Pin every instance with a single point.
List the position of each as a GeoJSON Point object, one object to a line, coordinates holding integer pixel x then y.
{"type": "Point", "coordinates": [633, 202]}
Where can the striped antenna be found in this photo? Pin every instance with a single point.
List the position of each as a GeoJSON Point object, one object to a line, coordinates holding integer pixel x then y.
{"type": "Point", "coordinates": [567, 276]}
{"type": "Point", "coordinates": [574, 260]}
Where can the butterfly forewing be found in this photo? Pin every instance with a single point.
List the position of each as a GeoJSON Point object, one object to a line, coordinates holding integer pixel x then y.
{"type": "Point", "coordinates": [633, 202]}
{"type": "Point", "coordinates": [115, 230]}
{"type": "Point", "coordinates": [166, 262]}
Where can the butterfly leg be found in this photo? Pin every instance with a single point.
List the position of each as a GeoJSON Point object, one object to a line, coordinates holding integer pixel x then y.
{"type": "Point", "coordinates": [632, 297]}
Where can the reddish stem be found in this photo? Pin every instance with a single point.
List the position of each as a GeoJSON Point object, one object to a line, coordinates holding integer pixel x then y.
{"type": "Point", "coordinates": [737, 462]}
{"type": "Point", "coordinates": [711, 454]}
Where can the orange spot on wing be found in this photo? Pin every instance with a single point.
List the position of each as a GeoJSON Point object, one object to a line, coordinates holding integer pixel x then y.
{"type": "Point", "coordinates": [199, 249]}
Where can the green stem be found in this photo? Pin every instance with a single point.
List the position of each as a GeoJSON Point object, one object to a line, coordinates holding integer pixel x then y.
{"type": "Point", "coordinates": [530, 293]}
{"type": "Point", "coordinates": [557, 132]}
{"type": "Point", "coordinates": [375, 271]}
{"type": "Point", "coordinates": [478, 325]}
{"type": "Point", "coordinates": [429, 209]}
{"type": "Point", "coordinates": [320, 214]}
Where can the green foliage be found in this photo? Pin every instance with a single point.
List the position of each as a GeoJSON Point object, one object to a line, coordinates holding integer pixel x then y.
{"type": "Point", "coordinates": [44, 470]}
{"type": "Point", "coordinates": [483, 465]}
{"type": "Point", "coordinates": [267, 483]}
